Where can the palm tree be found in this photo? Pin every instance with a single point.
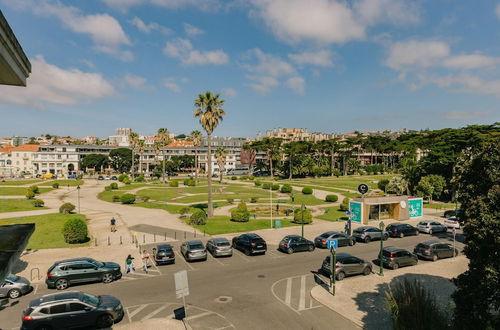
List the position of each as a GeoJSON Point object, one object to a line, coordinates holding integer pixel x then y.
{"type": "Point", "coordinates": [164, 140]}
{"type": "Point", "coordinates": [156, 150]}
{"type": "Point", "coordinates": [141, 146]}
{"type": "Point", "coordinates": [196, 138]}
{"type": "Point", "coordinates": [133, 139]}
{"type": "Point", "coordinates": [221, 155]}
{"type": "Point", "coordinates": [209, 110]}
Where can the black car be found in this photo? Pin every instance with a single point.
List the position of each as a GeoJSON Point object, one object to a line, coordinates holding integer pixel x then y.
{"type": "Point", "coordinates": [164, 254]}
{"type": "Point", "coordinates": [250, 244]}
{"type": "Point", "coordinates": [434, 250]}
{"type": "Point", "coordinates": [295, 243]}
{"type": "Point", "coordinates": [394, 257]}
{"type": "Point", "coordinates": [100, 178]}
{"type": "Point", "coordinates": [72, 310]}
{"type": "Point", "coordinates": [114, 177]}
{"type": "Point", "coordinates": [64, 273]}
{"type": "Point", "coordinates": [343, 240]}
{"type": "Point", "coordinates": [401, 230]}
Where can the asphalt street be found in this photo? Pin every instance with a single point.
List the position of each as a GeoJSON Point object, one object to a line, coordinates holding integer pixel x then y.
{"type": "Point", "coordinates": [268, 291]}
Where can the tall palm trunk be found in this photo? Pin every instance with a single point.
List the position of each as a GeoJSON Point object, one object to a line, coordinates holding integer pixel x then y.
{"type": "Point", "coordinates": [290, 169]}
{"type": "Point", "coordinates": [196, 163]}
{"type": "Point", "coordinates": [140, 162]}
{"type": "Point", "coordinates": [271, 166]}
{"type": "Point", "coordinates": [332, 162]}
{"type": "Point", "coordinates": [209, 176]}
{"type": "Point", "coordinates": [163, 166]}
{"type": "Point", "coordinates": [133, 165]}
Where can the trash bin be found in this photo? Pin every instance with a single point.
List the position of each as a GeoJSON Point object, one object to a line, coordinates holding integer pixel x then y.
{"type": "Point", "coordinates": [277, 223]}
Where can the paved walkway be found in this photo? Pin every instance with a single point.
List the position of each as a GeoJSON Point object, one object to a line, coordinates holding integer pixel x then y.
{"type": "Point", "coordinates": [19, 214]}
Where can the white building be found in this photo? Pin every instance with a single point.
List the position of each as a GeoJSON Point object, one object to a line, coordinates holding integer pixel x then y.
{"type": "Point", "coordinates": [121, 137]}
{"type": "Point", "coordinates": [22, 158]}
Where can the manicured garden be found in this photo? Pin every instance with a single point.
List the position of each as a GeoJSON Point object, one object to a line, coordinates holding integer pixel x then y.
{"type": "Point", "coordinates": [223, 225]}
{"type": "Point", "coordinates": [332, 214]}
{"type": "Point", "coordinates": [17, 204]}
{"type": "Point", "coordinates": [20, 191]}
{"type": "Point", "coordinates": [48, 230]}
{"type": "Point", "coordinates": [18, 182]}
{"type": "Point", "coordinates": [63, 183]}
{"type": "Point", "coordinates": [345, 182]}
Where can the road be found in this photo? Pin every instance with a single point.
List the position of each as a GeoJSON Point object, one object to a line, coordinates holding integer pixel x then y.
{"type": "Point", "coordinates": [241, 292]}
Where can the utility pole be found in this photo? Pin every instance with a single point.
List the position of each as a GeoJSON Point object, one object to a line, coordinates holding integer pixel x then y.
{"type": "Point", "coordinates": [381, 226]}
{"type": "Point", "coordinates": [333, 264]}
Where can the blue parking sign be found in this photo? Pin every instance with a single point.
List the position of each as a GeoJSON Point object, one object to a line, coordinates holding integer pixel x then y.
{"type": "Point", "coordinates": [332, 243]}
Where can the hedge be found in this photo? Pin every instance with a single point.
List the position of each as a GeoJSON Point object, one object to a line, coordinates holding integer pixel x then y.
{"type": "Point", "coordinates": [140, 178]}
{"type": "Point", "coordinates": [122, 177]}
{"type": "Point", "coordinates": [127, 199]}
{"type": "Point", "coordinates": [266, 185]}
{"type": "Point", "coordinates": [75, 231]}
{"type": "Point", "coordinates": [240, 213]}
{"type": "Point", "coordinates": [55, 185]}
{"type": "Point", "coordinates": [307, 190]}
{"type": "Point", "coordinates": [199, 217]}
{"type": "Point", "coordinates": [189, 182]}
{"type": "Point", "coordinates": [66, 208]}
{"type": "Point", "coordinates": [345, 204]}
{"type": "Point", "coordinates": [275, 187]}
{"type": "Point", "coordinates": [38, 203]}
{"type": "Point", "coordinates": [297, 216]}
{"type": "Point", "coordinates": [286, 188]}
{"type": "Point", "coordinates": [34, 189]}
{"type": "Point", "coordinates": [127, 181]}
{"type": "Point", "coordinates": [257, 183]}
{"type": "Point", "coordinates": [30, 194]}
{"type": "Point", "coordinates": [331, 198]}
{"type": "Point", "coordinates": [173, 183]}
{"type": "Point", "coordinates": [114, 185]}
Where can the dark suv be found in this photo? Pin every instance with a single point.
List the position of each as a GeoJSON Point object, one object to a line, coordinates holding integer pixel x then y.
{"type": "Point", "coordinates": [164, 254]}
{"type": "Point", "coordinates": [72, 310]}
{"type": "Point", "coordinates": [295, 243]}
{"type": "Point", "coordinates": [401, 230]}
{"type": "Point", "coordinates": [250, 244]}
{"type": "Point", "coordinates": [434, 250]}
{"type": "Point", "coordinates": [368, 233]}
{"type": "Point", "coordinates": [394, 257]}
{"type": "Point", "coordinates": [64, 273]}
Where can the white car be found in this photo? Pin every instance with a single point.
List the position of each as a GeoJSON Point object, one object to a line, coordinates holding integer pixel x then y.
{"type": "Point", "coordinates": [452, 223]}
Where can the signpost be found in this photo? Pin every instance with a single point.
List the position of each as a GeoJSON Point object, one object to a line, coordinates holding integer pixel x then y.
{"type": "Point", "coordinates": [348, 224]}
{"type": "Point", "coordinates": [332, 244]}
{"type": "Point", "coordinates": [454, 233]}
{"type": "Point", "coordinates": [381, 226]}
{"type": "Point", "coordinates": [181, 287]}
{"type": "Point", "coordinates": [78, 191]}
{"type": "Point", "coordinates": [363, 188]}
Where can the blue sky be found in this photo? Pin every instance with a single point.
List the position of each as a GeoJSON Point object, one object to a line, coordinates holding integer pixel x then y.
{"type": "Point", "coordinates": [325, 65]}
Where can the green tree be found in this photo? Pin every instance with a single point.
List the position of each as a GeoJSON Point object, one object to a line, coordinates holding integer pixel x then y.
{"type": "Point", "coordinates": [121, 159]}
{"type": "Point", "coordinates": [477, 298]}
{"type": "Point", "coordinates": [133, 140]}
{"type": "Point", "coordinates": [164, 140]}
{"type": "Point", "coordinates": [431, 186]}
{"type": "Point", "coordinates": [96, 161]}
{"type": "Point", "coordinates": [397, 185]}
{"type": "Point", "coordinates": [196, 138]}
{"type": "Point", "coordinates": [210, 113]}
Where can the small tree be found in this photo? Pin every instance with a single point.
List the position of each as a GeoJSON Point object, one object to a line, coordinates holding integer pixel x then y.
{"type": "Point", "coordinates": [173, 183]}
{"type": "Point", "coordinates": [140, 178]}
{"type": "Point", "coordinates": [127, 199]}
{"type": "Point", "coordinates": [55, 185]}
{"type": "Point", "coordinates": [345, 204]}
{"type": "Point", "coordinates": [257, 183]}
{"type": "Point", "coordinates": [75, 231]}
{"type": "Point", "coordinates": [114, 185]}
{"type": "Point", "coordinates": [66, 208]}
{"type": "Point", "coordinates": [297, 216]}
{"type": "Point", "coordinates": [240, 213]}
{"type": "Point", "coordinates": [127, 181]}
{"type": "Point", "coordinates": [122, 177]}
{"type": "Point", "coordinates": [266, 185]}
{"type": "Point", "coordinates": [184, 211]}
{"type": "Point", "coordinates": [199, 217]}
{"type": "Point", "coordinates": [331, 198]}
{"type": "Point", "coordinates": [38, 203]}
{"type": "Point", "coordinates": [307, 190]}
{"type": "Point", "coordinates": [34, 189]}
{"type": "Point", "coordinates": [286, 188]}
{"type": "Point", "coordinates": [30, 194]}
{"type": "Point", "coordinates": [382, 184]}
{"type": "Point", "coordinates": [275, 187]}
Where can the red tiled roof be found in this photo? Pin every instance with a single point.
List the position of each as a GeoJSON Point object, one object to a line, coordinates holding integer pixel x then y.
{"type": "Point", "coordinates": [27, 147]}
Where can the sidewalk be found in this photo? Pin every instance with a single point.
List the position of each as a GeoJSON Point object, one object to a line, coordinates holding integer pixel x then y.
{"type": "Point", "coordinates": [19, 214]}
{"type": "Point", "coordinates": [361, 299]}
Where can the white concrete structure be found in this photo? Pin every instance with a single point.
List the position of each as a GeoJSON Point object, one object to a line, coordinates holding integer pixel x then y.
{"type": "Point", "coordinates": [22, 158]}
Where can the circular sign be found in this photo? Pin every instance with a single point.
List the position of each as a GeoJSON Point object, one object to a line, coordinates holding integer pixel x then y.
{"type": "Point", "coordinates": [403, 204]}
{"type": "Point", "coordinates": [363, 188]}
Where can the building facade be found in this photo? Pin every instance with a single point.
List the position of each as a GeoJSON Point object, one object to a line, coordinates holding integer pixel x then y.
{"type": "Point", "coordinates": [297, 134]}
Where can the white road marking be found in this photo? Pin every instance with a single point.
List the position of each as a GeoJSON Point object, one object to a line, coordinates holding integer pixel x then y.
{"type": "Point", "coordinates": [239, 253]}
{"type": "Point", "coordinates": [142, 274]}
{"type": "Point", "coordinates": [135, 312]}
{"type": "Point", "coordinates": [36, 289]}
{"type": "Point", "coordinates": [274, 255]}
{"type": "Point", "coordinates": [302, 299]}
{"type": "Point", "coordinates": [182, 258]}
{"type": "Point", "coordinates": [198, 315]}
{"type": "Point", "coordinates": [153, 313]}
{"type": "Point", "coordinates": [219, 262]}
{"type": "Point", "coordinates": [288, 294]}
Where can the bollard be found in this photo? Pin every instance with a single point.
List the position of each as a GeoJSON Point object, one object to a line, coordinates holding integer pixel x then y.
{"type": "Point", "coordinates": [195, 233]}
{"type": "Point", "coordinates": [165, 236]}
{"type": "Point", "coordinates": [136, 244]}
{"type": "Point", "coordinates": [144, 239]}
{"type": "Point", "coordinates": [109, 243]}
{"type": "Point", "coordinates": [175, 235]}
{"type": "Point", "coordinates": [95, 241]}
{"type": "Point", "coordinates": [154, 237]}
{"type": "Point", "coordinates": [120, 239]}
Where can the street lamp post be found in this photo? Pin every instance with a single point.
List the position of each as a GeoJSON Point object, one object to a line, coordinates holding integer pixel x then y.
{"type": "Point", "coordinates": [303, 207]}
{"type": "Point", "coordinates": [381, 226]}
{"type": "Point", "coordinates": [271, 203]}
{"type": "Point", "coordinates": [78, 192]}
{"type": "Point", "coordinates": [333, 267]}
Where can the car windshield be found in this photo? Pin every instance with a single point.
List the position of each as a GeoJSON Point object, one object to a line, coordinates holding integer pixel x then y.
{"type": "Point", "coordinates": [12, 278]}
{"type": "Point", "coordinates": [196, 246]}
{"type": "Point", "coordinates": [223, 244]}
{"type": "Point", "coordinates": [97, 263]}
{"type": "Point", "coordinates": [325, 235]}
{"type": "Point", "coordinates": [423, 246]}
{"type": "Point", "coordinates": [90, 299]}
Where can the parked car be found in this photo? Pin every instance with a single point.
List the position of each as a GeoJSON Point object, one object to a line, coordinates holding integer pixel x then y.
{"type": "Point", "coordinates": [250, 244]}
{"type": "Point", "coordinates": [453, 222]}
{"type": "Point", "coordinates": [219, 247]}
{"type": "Point", "coordinates": [369, 233]}
{"type": "Point", "coordinates": [193, 250]}
{"type": "Point", "coordinates": [107, 177]}
{"type": "Point", "coordinates": [401, 230]}
{"type": "Point", "coordinates": [452, 213]}
{"type": "Point", "coordinates": [431, 227]}
{"type": "Point", "coordinates": [343, 240]}
{"type": "Point", "coordinates": [14, 287]}
{"type": "Point", "coordinates": [295, 243]}
{"type": "Point", "coordinates": [72, 176]}
{"type": "Point", "coordinates": [394, 257]}
{"type": "Point", "coordinates": [64, 273]}
{"type": "Point", "coordinates": [346, 265]}
{"type": "Point", "coordinates": [434, 250]}
{"type": "Point", "coordinates": [100, 178]}
{"type": "Point", "coordinates": [114, 177]}
{"type": "Point", "coordinates": [164, 254]}
{"type": "Point", "coordinates": [72, 310]}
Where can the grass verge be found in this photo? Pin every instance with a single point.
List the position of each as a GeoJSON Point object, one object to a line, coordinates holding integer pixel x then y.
{"type": "Point", "coordinates": [223, 225]}
{"type": "Point", "coordinates": [16, 205]}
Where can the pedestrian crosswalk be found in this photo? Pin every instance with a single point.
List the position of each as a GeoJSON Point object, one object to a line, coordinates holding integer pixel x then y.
{"type": "Point", "coordinates": [294, 292]}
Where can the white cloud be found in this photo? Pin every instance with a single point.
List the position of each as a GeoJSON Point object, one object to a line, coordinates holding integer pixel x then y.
{"type": "Point", "coordinates": [262, 85]}
{"type": "Point", "coordinates": [173, 84]}
{"type": "Point", "coordinates": [472, 61]}
{"type": "Point", "coordinates": [321, 58]}
{"type": "Point", "coordinates": [51, 84]}
{"type": "Point", "coordinates": [464, 115]}
{"type": "Point", "coordinates": [462, 83]}
{"type": "Point", "coordinates": [124, 5]}
{"type": "Point", "coordinates": [147, 28]}
{"type": "Point", "coordinates": [229, 92]}
{"type": "Point", "coordinates": [398, 12]}
{"type": "Point", "coordinates": [269, 64]}
{"type": "Point", "coordinates": [134, 81]}
{"type": "Point", "coordinates": [497, 11]}
{"type": "Point", "coordinates": [297, 84]}
{"type": "Point", "coordinates": [184, 51]}
{"type": "Point", "coordinates": [192, 30]}
{"type": "Point", "coordinates": [413, 53]}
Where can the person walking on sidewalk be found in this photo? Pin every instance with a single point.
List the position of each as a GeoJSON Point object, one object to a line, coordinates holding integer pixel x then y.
{"type": "Point", "coordinates": [129, 264]}
{"type": "Point", "coordinates": [113, 225]}
{"type": "Point", "coordinates": [145, 259]}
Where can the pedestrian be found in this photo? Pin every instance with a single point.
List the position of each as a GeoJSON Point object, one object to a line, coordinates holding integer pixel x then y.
{"type": "Point", "coordinates": [145, 258]}
{"type": "Point", "coordinates": [129, 264]}
{"type": "Point", "coordinates": [113, 225]}
{"type": "Point", "coordinates": [346, 228]}
{"type": "Point", "coordinates": [277, 208]}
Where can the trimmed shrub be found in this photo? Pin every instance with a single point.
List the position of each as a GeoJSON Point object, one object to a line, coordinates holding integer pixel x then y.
{"type": "Point", "coordinates": [122, 177]}
{"type": "Point", "coordinates": [79, 176]}
{"type": "Point", "coordinates": [275, 187]}
{"type": "Point", "coordinates": [127, 199]}
{"type": "Point", "coordinates": [66, 208]}
{"type": "Point", "coordinates": [336, 172]}
{"type": "Point", "coordinates": [140, 178]}
{"type": "Point", "coordinates": [266, 185]}
{"type": "Point", "coordinates": [234, 178]}
{"type": "Point", "coordinates": [107, 188]}
{"type": "Point", "coordinates": [230, 200]}
{"type": "Point", "coordinates": [345, 204]}
{"type": "Point", "coordinates": [297, 216]}
{"type": "Point", "coordinates": [30, 194]}
{"type": "Point", "coordinates": [244, 177]}
{"type": "Point", "coordinates": [38, 203]}
{"type": "Point", "coordinates": [253, 199]}
{"type": "Point", "coordinates": [257, 183]}
{"type": "Point", "coordinates": [173, 183]}
{"type": "Point", "coordinates": [115, 198]}
{"type": "Point", "coordinates": [251, 177]}
{"type": "Point", "coordinates": [184, 211]}
{"type": "Point", "coordinates": [199, 217]}
{"type": "Point", "coordinates": [189, 182]}
{"type": "Point", "coordinates": [240, 213]}
{"type": "Point", "coordinates": [286, 188]}
{"type": "Point", "coordinates": [34, 189]}
{"type": "Point", "coordinates": [382, 184]}
{"type": "Point", "coordinates": [75, 231]}
{"type": "Point", "coordinates": [113, 185]}
{"type": "Point", "coordinates": [307, 190]}
{"type": "Point", "coordinates": [331, 198]}
{"type": "Point", "coordinates": [127, 181]}
{"type": "Point", "coordinates": [145, 198]}
{"type": "Point", "coordinates": [55, 185]}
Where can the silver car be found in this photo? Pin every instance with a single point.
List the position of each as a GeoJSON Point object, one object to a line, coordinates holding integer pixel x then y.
{"type": "Point", "coordinates": [14, 287]}
{"type": "Point", "coordinates": [346, 265]}
{"type": "Point", "coordinates": [430, 227]}
{"type": "Point", "coordinates": [193, 250]}
{"type": "Point", "coordinates": [219, 247]}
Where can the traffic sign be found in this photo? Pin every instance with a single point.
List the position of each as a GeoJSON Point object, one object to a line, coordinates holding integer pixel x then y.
{"type": "Point", "coordinates": [363, 188]}
{"type": "Point", "coordinates": [332, 243]}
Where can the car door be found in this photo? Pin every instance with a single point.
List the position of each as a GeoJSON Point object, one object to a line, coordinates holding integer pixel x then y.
{"type": "Point", "coordinates": [351, 265]}
{"type": "Point", "coordinates": [90, 272]}
{"type": "Point", "coordinates": [58, 316]}
{"type": "Point", "coordinates": [446, 251]}
{"type": "Point", "coordinates": [342, 240]}
{"type": "Point", "coordinates": [303, 244]}
{"type": "Point", "coordinates": [79, 315]}
{"type": "Point", "coordinates": [4, 288]}
{"type": "Point", "coordinates": [409, 260]}
{"type": "Point", "coordinates": [183, 249]}
{"type": "Point", "coordinates": [73, 273]}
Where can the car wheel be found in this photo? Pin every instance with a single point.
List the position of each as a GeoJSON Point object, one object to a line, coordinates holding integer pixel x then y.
{"type": "Point", "coordinates": [430, 231]}
{"type": "Point", "coordinates": [401, 235]}
{"type": "Point", "coordinates": [417, 232]}
{"type": "Point", "coordinates": [395, 266]}
{"type": "Point", "coordinates": [434, 257]}
{"type": "Point", "coordinates": [14, 294]}
{"type": "Point", "coordinates": [289, 250]}
{"type": "Point", "coordinates": [340, 276]}
{"type": "Point", "coordinates": [367, 239]}
{"type": "Point", "coordinates": [351, 242]}
{"type": "Point", "coordinates": [367, 271]}
{"type": "Point", "coordinates": [247, 252]}
{"type": "Point", "coordinates": [104, 321]}
{"type": "Point", "coordinates": [107, 278]}
{"type": "Point", "coordinates": [62, 284]}
{"type": "Point", "coordinates": [386, 237]}
{"type": "Point", "coordinates": [311, 248]}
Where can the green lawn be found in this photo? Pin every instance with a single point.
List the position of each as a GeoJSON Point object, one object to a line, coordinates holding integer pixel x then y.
{"type": "Point", "coordinates": [332, 214]}
{"type": "Point", "coordinates": [18, 182]}
{"type": "Point", "coordinates": [164, 194]}
{"type": "Point", "coordinates": [48, 230]}
{"type": "Point", "coordinates": [63, 183]}
{"type": "Point", "coordinates": [300, 198]}
{"type": "Point", "coordinates": [347, 182]}
{"type": "Point", "coordinates": [174, 209]}
{"type": "Point", "coordinates": [222, 225]}
{"type": "Point", "coordinates": [15, 205]}
{"type": "Point", "coordinates": [19, 191]}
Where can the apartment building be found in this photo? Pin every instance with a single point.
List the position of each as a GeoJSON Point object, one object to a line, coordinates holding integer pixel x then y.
{"type": "Point", "coordinates": [22, 158]}
{"type": "Point", "coordinates": [6, 161]}
{"type": "Point", "coordinates": [297, 134]}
